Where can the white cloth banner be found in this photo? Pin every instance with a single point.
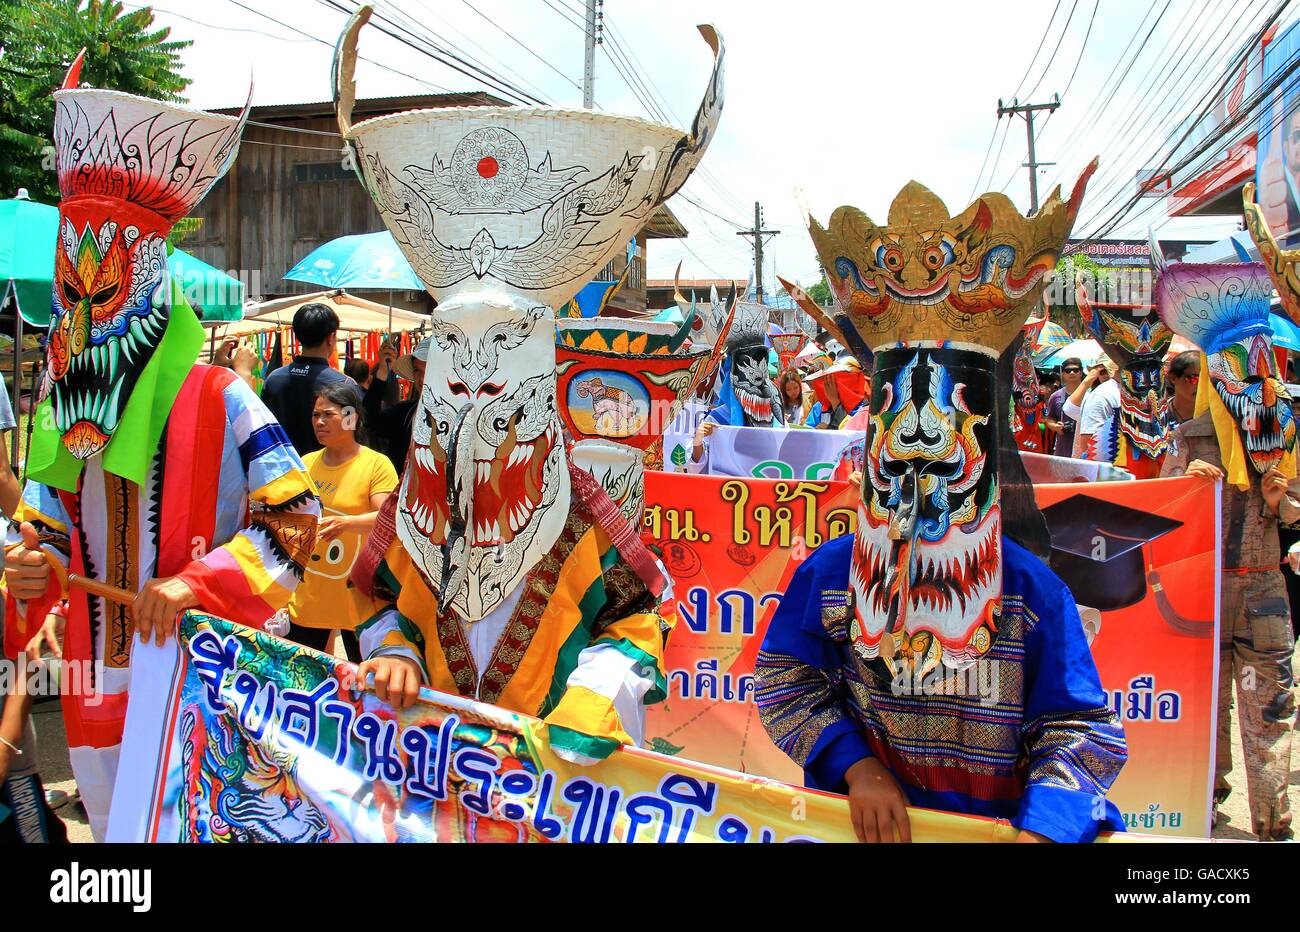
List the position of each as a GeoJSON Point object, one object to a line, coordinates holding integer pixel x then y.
{"type": "Point", "coordinates": [760, 452]}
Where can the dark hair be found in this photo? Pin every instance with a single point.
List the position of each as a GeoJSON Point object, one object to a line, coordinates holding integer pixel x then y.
{"type": "Point", "coordinates": [358, 370]}
{"type": "Point", "coordinates": [314, 323]}
{"type": "Point", "coordinates": [345, 394]}
{"type": "Point", "coordinates": [789, 375]}
{"type": "Point", "coordinates": [1073, 360]}
{"type": "Point", "coordinates": [1184, 361]}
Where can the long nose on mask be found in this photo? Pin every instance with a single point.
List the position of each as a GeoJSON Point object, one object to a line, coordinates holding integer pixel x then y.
{"type": "Point", "coordinates": [903, 526]}
{"type": "Point", "coordinates": [460, 502]}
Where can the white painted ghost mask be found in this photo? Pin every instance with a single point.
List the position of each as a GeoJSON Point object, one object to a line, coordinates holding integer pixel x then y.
{"type": "Point", "coordinates": [504, 213]}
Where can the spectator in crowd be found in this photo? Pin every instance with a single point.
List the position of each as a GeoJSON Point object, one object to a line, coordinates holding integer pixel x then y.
{"type": "Point", "coordinates": [358, 370]}
{"type": "Point", "coordinates": [795, 403]}
{"type": "Point", "coordinates": [353, 481]}
{"type": "Point", "coordinates": [1060, 425]}
{"type": "Point", "coordinates": [290, 391]}
{"type": "Point", "coordinates": [1094, 405]}
{"type": "Point", "coordinates": [1184, 374]}
{"type": "Point", "coordinates": [390, 426]}
{"type": "Point", "coordinates": [25, 816]}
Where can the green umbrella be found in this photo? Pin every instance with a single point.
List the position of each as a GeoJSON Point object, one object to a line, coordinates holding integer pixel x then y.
{"type": "Point", "coordinates": [28, 232]}
{"type": "Point", "coordinates": [28, 236]}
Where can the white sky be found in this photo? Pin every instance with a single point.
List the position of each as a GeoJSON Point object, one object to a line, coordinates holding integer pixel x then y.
{"type": "Point", "coordinates": [847, 101]}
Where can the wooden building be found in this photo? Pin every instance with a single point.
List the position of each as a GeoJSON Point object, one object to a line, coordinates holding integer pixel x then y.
{"type": "Point", "coordinates": [289, 192]}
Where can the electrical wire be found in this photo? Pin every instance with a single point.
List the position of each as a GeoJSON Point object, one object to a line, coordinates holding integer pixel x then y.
{"type": "Point", "coordinates": [282, 25]}
{"type": "Point", "coordinates": [1238, 54]}
{"type": "Point", "coordinates": [1139, 116]}
{"type": "Point", "coordinates": [517, 42]}
{"type": "Point", "coordinates": [1246, 109]}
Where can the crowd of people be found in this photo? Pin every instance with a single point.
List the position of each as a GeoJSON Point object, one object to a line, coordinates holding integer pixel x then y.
{"type": "Point", "coordinates": [448, 530]}
{"type": "Point", "coordinates": [351, 428]}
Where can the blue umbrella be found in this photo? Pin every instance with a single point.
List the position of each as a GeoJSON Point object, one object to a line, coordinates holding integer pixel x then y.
{"type": "Point", "coordinates": [366, 260]}
{"type": "Point", "coordinates": [1285, 333]}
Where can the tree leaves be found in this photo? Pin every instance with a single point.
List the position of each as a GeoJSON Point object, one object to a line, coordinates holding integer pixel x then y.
{"type": "Point", "coordinates": [40, 39]}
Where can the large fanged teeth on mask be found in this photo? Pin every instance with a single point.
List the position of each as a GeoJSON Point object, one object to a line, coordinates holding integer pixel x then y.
{"type": "Point", "coordinates": [113, 350]}
{"type": "Point", "coordinates": [137, 331]}
{"type": "Point", "coordinates": [111, 410]}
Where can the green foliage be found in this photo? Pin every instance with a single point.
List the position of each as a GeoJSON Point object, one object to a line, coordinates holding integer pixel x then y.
{"type": "Point", "coordinates": [39, 40]}
{"type": "Point", "coordinates": [821, 292]}
{"type": "Point", "coordinates": [1062, 306]}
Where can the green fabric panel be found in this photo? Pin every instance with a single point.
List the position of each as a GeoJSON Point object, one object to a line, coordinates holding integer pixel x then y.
{"type": "Point", "coordinates": [570, 740]}
{"type": "Point", "coordinates": [580, 638]}
{"type": "Point", "coordinates": [135, 441]}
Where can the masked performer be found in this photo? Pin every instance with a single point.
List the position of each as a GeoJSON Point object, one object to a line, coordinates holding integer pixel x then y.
{"type": "Point", "coordinates": [746, 395]}
{"type": "Point", "coordinates": [1027, 407]}
{"type": "Point", "coordinates": [931, 659]}
{"type": "Point", "coordinates": [1138, 436]}
{"type": "Point", "coordinates": [118, 490]}
{"type": "Point", "coordinates": [512, 577]}
{"type": "Point", "coordinates": [1244, 431]}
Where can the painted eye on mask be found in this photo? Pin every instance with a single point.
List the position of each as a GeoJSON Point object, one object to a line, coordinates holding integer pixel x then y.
{"type": "Point", "coordinates": [938, 256]}
{"type": "Point", "coordinates": [458, 388]}
{"type": "Point", "coordinates": [889, 257]}
{"type": "Point", "coordinates": [72, 295]}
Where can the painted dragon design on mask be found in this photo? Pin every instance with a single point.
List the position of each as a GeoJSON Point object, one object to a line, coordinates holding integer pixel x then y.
{"type": "Point", "coordinates": [931, 302]}
{"type": "Point", "coordinates": [128, 169]}
{"type": "Point", "coordinates": [1224, 310]}
{"type": "Point", "coordinates": [1138, 347]}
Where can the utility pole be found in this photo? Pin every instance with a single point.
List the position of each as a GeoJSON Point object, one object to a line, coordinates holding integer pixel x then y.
{"type": "Point", "coordinates": [758, 233]}
{"type": "Point", "coordinates": [1027, 111]}
{"type": "Point", "coordinates": [595, 26]}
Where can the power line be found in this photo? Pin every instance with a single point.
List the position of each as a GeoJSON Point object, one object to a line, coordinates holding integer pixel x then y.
{"type": "Point", "coordinates": [300, 32]}
{"type": "Point", "coordinates": [1201, 107]}
{"type": "Point", "coordinates": [428, 8]}
{"type": "Point", "coordinates": [1059, 39]}
{"type": "Point", "coordinates": [1132, 139]}
{"type": "Point", "coordinates": [1016, 93]}
{"type": "Point", "coordinates": [1147, 89]}
{"type": "Point", "coordinates": [430, 49]}
{"type": "Point", "coordinates": [1211, 98]}
{"type": "Point", "coordinates": [517, 42]}
{"type": "Point", "coordinates": [1113, 74]}
{"type": "Point", "coordinates": [1083, 48]}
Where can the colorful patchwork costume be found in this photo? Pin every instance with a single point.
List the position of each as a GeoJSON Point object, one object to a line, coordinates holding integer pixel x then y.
{"type": "Point", "coordinates": [511, 575]}
{"type": "Point", "coordinates": [933, 640]}
{"type": "Point", "coordinates": [1244, 426]}
{"type": "Point", "coordinates": [119, 490]}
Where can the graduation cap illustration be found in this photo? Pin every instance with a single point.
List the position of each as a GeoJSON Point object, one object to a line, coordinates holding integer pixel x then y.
{"type": "Point", "coordinates": [1097, 549]}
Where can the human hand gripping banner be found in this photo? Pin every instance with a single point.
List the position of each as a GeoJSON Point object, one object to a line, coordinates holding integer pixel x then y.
{"type": "Point", "coordinates": [1141, 559]}
{"type": "Point", "coordinates": [238, 736]}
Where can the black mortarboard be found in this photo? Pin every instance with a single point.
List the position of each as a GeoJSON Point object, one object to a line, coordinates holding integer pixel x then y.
{"type": "Point", "coordinates": [1097, 549]}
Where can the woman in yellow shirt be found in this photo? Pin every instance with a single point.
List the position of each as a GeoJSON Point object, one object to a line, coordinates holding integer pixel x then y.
{"type": "Point", "coordinates": [352, 481]}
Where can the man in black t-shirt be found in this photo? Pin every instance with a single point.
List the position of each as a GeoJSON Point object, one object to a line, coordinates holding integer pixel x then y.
{"type": "Point", "coordinates": [290, 391]}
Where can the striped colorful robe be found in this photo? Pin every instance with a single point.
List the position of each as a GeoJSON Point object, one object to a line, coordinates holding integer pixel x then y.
{"type": "Point", "coordinates": [1040, 747]}
{"type": "Point", "coordinates": [222, 456]}
{"type": "Point", "coordinates": [580, 643]}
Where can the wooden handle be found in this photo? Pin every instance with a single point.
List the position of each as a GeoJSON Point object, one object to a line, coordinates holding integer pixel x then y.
{"type": "Point", "coordinates": [103, 590]}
